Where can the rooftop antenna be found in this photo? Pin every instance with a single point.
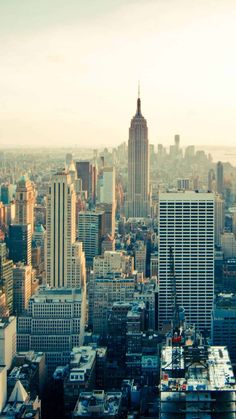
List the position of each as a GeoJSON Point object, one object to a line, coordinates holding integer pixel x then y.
{"type": "Point", "coordinates": [138, 101]}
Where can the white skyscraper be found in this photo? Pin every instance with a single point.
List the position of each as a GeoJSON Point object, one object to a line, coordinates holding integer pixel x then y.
{"type": "Point", "coordinates": [106, 198]}
{"type": "Point", "coordinates": [186, 228]}
{"type": "Point", "coordinates": [62, 254]}
{"type": "Point", "coordinates": [106, 186]}
{"type": "Point", "coordinates": [138, 203]}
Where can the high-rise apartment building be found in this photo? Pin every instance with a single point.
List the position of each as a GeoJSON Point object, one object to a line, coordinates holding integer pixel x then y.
{"type": "Point", "coordinates": [25, 202]}
{"type": "Point", "coordinates": [186, 239]}
{"type": "Point", "coordinates": [138, 200]}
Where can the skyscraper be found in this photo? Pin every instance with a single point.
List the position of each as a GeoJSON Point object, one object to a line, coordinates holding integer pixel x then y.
{"type": "Point", "coordinates": [91, 231]}
{"type": "Point", "coordinates": [186, 225]}
{"type": "Point", "coordinates": [21, 287]}
{"type": "Point", "coordinates": [106, 185]}
{"type": "Point", "coordinates": [20, 243]}
{"type": "Point", "coordinates": [138, 201]}
{"type": "Point", "coordinates": [60, 229]}
{"type": "Point", "coordinates": [25, 201]}
{"type": "Point", "coordinates": [86, 171]}
{"type": "Point", "coordinates": [220, 178]}
{"type": "Point", "coordinates": [106, 198]}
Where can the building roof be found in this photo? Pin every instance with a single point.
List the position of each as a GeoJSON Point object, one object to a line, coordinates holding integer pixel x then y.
{"type": "Point", "coordinates": [18, 393]}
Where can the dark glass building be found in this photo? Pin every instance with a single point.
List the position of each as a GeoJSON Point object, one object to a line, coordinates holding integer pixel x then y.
{"type": "Point", "coordinates": [19, 243]}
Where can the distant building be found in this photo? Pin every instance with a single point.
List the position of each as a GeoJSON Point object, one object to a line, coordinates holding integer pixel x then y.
{"type": "Point", "coordinates": [25, 202]}
{"type": "Point", "coordinates": [40, 238]}
{"type": "Point", "coordinates": [219, 218]}
{"type": "Point", "coordinates": [228, 244]}
{"type": "Point", "coordinates": [7, 193]}
{"type": "Point", "coordinates": [140, 258]}
{"type": "Point", "coordinates": [138, 199]}
{"type": "Point", "coordinates": [211, 180]}
{"type": "Point", "coordinates": [154, 264]}
{"type": "Point", "coordinates": [183, 184]}
{"type": "Point", "coordinates": [220, 178]}
{"type": "Point", "coordinates": [86, 171]}
{"type": "Point", "coordinates": [106, 185]}
{"type": "Point", "coordinates": [109, 217]}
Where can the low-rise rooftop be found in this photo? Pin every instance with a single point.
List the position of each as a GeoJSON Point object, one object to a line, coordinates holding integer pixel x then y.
{"type": "Point", "coordinates": [98, 404]}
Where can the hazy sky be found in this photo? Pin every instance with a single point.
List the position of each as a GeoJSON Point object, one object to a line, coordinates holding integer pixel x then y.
{"type": "Point", "coordinates": [69, 70]}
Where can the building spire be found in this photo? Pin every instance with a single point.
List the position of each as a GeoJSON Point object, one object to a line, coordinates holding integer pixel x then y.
{"type": "Point", "coordinates": [138, 101]}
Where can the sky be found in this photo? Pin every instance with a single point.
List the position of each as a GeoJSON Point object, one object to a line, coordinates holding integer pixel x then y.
{"type": "Point", "coordinates": [69, 71]}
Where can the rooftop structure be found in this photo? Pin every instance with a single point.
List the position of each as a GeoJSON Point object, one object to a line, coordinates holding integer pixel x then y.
{"type": "Point", "coordinates": [98, 404]}
{"type": "Point", "coordinates": [80, 376]}
{"type": "Point", "coordinates": [196, 381]}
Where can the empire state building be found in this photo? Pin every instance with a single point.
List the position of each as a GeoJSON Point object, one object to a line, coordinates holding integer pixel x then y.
{"type": "Point", "coordinates": [138, 201]}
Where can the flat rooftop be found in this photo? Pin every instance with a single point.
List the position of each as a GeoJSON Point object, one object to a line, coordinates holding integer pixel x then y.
{"type": "Point", "coordinates": [98, 403]}
{"type": "Point", "coordinates": [50, 294]}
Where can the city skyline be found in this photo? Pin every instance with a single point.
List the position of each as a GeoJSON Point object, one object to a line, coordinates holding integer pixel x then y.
{"type": "Point", "coordinates": [67, 64]}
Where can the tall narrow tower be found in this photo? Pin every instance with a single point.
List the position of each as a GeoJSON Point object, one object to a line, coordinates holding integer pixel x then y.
{"type": "Point", "coordinates": [138, 203]}
{"type": "Point", "coordinates": [220, 178]}
{"type": "Point", "coordinates": [25, 202]}
{"type": "Point", "coordinates": [60, 229]}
